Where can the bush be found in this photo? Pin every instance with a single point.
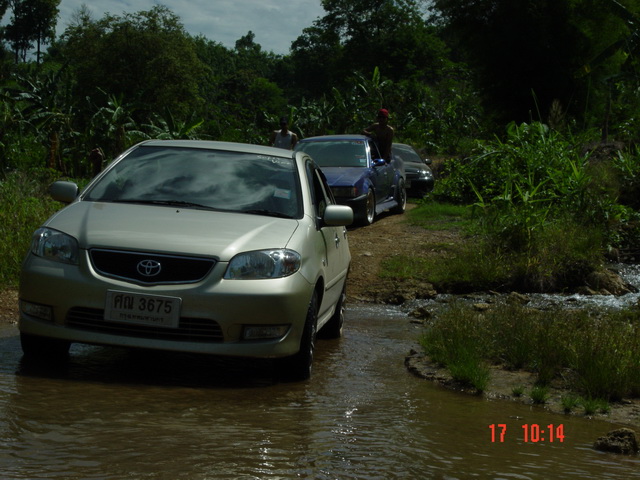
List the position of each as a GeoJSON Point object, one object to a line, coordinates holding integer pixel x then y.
{"type": "Point", "coordinates": [26, 205]}
{"type": "Point", "coordinates": [600, 354]}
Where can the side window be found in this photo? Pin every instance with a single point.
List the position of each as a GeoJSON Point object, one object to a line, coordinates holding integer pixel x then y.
{"type": "Point", "coordinates": [320, 190]}
{"type": "Point", "coordinates": [326, 188]}
{"type": "Point", "coordinates": [373, 147]}
{"type": "Point", "coordinates": [320, 197]}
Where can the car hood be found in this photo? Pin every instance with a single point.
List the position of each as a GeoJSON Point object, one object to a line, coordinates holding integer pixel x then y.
{"type": "Point", "coordinates": [344, 176]}
{"type": "Point", "coordinates": [170, 229]}
{"type": "Point", "coordinates": [415, 166]}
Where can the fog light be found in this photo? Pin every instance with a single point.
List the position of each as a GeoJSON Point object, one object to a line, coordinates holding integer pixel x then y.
{"type": "Point", "coordinates": [42, 312]}
{"type": "Point", "coordinates": [262, 332]}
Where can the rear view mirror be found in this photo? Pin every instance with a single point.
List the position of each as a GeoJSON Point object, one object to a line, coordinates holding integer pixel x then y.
{"type": "Point", "coordinates": [65, 192]}
{"type": "Point", "coordinates": [338, 215]}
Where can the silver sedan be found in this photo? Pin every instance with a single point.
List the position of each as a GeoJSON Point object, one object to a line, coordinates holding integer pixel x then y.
{"type": "Point", "coordinates": [191, 246]}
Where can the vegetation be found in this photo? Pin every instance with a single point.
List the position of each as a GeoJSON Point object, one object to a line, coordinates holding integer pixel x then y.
{"type": "Point", "coordinates": [600, 364]}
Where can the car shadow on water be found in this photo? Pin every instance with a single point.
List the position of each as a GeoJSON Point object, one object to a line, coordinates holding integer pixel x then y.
{"type": "Point", "coordinates": [146, 367]}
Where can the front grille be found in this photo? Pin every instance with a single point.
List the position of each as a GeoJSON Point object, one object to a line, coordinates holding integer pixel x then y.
{"type": "Point", "coordinates": [136, 267]}
{"type": "Point", "coordinates": [189, 329]}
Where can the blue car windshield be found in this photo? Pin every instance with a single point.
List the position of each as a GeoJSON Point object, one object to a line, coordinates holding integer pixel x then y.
{"type": "Point", "coordinates": [336, 153]}
{"type": "Point", "coordinates": [203, 178]}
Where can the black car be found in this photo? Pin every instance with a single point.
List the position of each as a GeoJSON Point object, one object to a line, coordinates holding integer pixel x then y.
{"type": "Point", "coordinates": [419, 177]}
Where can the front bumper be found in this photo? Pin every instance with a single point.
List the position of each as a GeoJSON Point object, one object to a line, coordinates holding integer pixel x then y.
{"type": "Point", "coordinates": [212, 316]}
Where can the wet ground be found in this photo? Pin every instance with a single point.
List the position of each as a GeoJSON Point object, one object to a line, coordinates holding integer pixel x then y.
{"type": "Point", "coordinates": [114, 414]}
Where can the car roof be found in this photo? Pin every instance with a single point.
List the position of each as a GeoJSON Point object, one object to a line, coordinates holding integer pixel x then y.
{"type": "Point", "coordinates": [402, 145]}
{"type": "Point", "coordinates": [347, 136]}
{"type": "Point", "coordinates": [215, 145]}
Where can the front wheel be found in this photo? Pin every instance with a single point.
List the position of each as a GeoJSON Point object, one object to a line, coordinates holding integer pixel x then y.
{"type": "Point", "coordinates": [298, 367]}
{"type": "Point", "coordinates": [400, 197]}
{"type": "Point", "coordinates": [369, 210]}
{"type": "Point", "coordinates": [333, 328]}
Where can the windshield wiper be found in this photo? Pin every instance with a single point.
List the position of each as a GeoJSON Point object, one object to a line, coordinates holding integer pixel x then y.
{"type": "Point", "coordinates": [267, 213]}
{"type": "Point", "coordinates": [168, 203]}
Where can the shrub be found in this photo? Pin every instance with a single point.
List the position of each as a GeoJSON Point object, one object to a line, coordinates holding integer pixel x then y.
{"type": "Point", "coordinates": [25, 206]}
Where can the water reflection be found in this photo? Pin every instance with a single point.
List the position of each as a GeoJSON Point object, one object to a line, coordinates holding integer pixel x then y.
{"type": "Point", "coordinates": [114, 414]}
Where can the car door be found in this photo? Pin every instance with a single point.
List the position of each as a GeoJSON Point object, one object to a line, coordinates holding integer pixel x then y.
{"type": "Point", "coordinates": [383, 174]}
{"type": "Point", "coordinates": [334, 239]}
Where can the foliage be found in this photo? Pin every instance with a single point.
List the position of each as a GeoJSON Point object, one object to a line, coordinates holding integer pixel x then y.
{"type": "Point", "coordinates": [523, 46]}
{"type": "Point", "coordinates": [145, 59]}
{"type": "Point", "coordinates": [538, 188]}
{"type": "Point", "coordinates": [25, 206]}
{"type": "Point", "coordinates": [32, 20]}
{"type": "Point", "coordinates": [557, 258]}
{"type": "Point", "coordinates": [458, 345]}
{"type": "Point", "coordinates": [601, 363]}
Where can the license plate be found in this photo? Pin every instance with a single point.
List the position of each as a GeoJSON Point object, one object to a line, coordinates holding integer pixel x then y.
{"type": "Point", "coordinates": [154, 310]}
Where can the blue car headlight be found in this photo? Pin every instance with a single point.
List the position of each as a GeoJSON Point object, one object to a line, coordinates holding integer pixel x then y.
{"type": "Point", "coordinates": [344, 192]}
{"type": "Point", "coordinates": [262, 264]}
{"type": "Point", "coordinates": [54, 245]}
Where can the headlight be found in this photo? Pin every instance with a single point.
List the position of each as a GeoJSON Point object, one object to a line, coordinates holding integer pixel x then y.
{"type": "Point", "coordinates": [55, 245]}
{"type": "Point", "coordinates": [344, 192]}
{"type": "Point", "coordinates": [263, 264]}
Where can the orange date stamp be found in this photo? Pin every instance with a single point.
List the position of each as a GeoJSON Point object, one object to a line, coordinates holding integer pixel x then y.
{"type": "Point", "coordinates": [531, 433]}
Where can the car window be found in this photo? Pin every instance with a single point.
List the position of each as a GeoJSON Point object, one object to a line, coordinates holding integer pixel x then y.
{"type": "Point", "coordinates": [375, 152]}
{"type": "Point", "coordinates": [320, 190]}
{"type": "Point", "coordinates": [222, 180]}
{"type": "Point", "coordinates": [407, 154]}
{"type": "Point", "coordinates": [336, 153]}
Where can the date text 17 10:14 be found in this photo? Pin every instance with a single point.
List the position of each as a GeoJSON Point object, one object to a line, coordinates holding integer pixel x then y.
{"type": "Point", "coordinates": [531, 432]}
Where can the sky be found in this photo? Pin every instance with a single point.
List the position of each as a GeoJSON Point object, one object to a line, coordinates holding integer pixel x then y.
{"type": "Point", "coordinates": [275, 23]}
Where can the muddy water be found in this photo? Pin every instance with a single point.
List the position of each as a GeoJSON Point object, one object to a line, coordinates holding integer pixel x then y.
{"type": "Point", "coordinates": [114, 414]}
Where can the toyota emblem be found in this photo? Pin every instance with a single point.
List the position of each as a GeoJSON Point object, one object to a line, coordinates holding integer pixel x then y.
{"type": "Point", "coordinates": [149, 268]}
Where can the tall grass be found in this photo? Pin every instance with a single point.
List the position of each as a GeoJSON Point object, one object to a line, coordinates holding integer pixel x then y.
{"type": "Point", "coordinates": [458, 344]}
{"type": "Point", "coordinates": [602, 352]}
{"type": "Point", "coordinates": [536, 189]}
{"type": "Point", "coordinates": [25, 205]}
{"type": "Point", "coordinates": [558, 257]}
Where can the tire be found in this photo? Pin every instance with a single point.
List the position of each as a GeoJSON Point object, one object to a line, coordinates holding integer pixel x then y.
{"type": "Point", "coordinates": [43, 348]}
{"type": "Point", "coordinates": [401, 198]}
{"type": "Point", "coordinates": [368, 214]}
{"type": "Point", "coordinates": [298, 367]}
{"type": "Point", "coordinates": [333, 328]}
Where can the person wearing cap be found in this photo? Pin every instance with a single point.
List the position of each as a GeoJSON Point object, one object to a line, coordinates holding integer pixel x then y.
{"type": "Point", "coordinates": [382, 133]}
{"type": "Point", "coordinates": [283, 138]}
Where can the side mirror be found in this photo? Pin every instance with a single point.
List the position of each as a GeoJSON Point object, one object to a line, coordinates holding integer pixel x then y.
{"type": "Point", "coordinates": [378, 162]}
{"type": "Point", "coordinates": [428, 161]}
{"type": "Point", "coordinates": [338, 215]}
{"type": "Point", "coordinates": [65, 192]}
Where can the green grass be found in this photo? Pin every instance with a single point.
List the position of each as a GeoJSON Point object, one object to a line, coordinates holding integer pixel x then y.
{"type": "Point", "coordinates": [25, 205]}
{"type": "Point", "coordinates": [550, 259]}
{"type": "Point", "coordinates": [599, 353]}
{"type": "Point", "coordinates": [570, 402]}
{"type": "Point", "coordinates": [440, 216]}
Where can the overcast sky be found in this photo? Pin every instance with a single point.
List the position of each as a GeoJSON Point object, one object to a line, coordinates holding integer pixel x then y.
{"type": "Point", "coordinates": [275, 23]}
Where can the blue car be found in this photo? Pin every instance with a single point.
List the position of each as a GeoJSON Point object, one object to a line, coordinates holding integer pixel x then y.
{"type": "Point", "coordinates": [358, 175]}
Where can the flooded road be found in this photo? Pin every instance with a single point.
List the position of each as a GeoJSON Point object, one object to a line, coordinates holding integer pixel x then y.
{"type": "Point", "coordinates": [115, 414]}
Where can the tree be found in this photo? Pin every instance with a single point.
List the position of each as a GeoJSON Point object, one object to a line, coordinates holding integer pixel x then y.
{"type": "Point", "coordinates": [32, 21]}
{"type": "Point", "coordinates": [145, 59]}
{"type": "Point", "coordinates": [360, 35]}
{"type": "Point", "coordinates": [525, 52]}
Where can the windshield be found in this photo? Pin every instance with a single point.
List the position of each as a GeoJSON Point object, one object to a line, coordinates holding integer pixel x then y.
{"type": "Point", "coordinates": [406, 154]}
{"type": "Point", "coordinates": [202, 178]}
{"type": "Point", "coordinates": [336, 153]}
